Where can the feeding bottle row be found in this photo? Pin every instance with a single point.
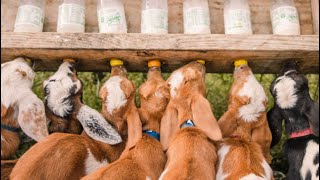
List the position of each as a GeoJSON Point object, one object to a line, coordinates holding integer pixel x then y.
{"type": "Point", "coordinates": [154, 17]}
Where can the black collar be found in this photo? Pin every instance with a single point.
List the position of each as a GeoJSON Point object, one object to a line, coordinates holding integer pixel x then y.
{"type": "Point", "coordinates": [10, 128]}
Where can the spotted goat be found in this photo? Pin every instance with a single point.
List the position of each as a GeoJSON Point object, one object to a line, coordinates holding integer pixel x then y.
{"type": "Point", "coordinates": [72, 156]}
{"type": "Point", "coordinates": [294, 105]}
{"type": "Point", "coordinates": [20, 107]}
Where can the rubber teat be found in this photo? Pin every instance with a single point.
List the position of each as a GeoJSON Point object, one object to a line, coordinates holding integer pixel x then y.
{"type": "Point", "coordinates": [240, 62]}
{"type": "Point", "coordinates": [154, 63]}
{"type": "Point", "coordinates": [69, 60]}
{"type": "Point", "coordinates": [201, 61]}
{"type": "Point", "coordinates": [116, 62]}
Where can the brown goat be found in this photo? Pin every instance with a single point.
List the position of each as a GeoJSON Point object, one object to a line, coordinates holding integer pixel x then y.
{"type": "Point", "coordinates": [146, 160]}
{"type": "Point", "coordinates": [190, 151]}
{"type": "Point", "coordinates": [72, 156]}
{"type": "Point", "coordinates": [20, 107]}
{"type": "Point", "coordinates": [246, 150]}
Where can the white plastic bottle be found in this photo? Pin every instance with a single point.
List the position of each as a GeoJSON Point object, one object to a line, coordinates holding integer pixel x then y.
{"type": "Point", "coordinates": [30, 16]}
{"type": "Point", "coordinates": [284, 18]}
{"type": "Point", "coordinates": [71, 16]}
{"type": "Point", "coordinates": [196, 17]}
{"type": "Point", "coordinates": [111, 16]}
{"type": "Point", "coordinates": [154, 17]}
{"type": "Point", "coordinates": [237, 17]}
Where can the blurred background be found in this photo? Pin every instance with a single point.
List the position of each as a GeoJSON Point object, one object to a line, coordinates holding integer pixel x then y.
{"type": "Point", "coordinates": [217, 87]}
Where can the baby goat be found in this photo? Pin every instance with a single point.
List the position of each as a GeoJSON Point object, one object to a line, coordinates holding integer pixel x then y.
{"type": "Point", "coordinates": [189, 126]}
{"type": "Point", "coordinates": [63, 97]}
{"type": "Point", "coordinates": [20, 107]}
{"type": "Point", "coordinates": [247, 137]}
{"type": "Point", "coordinates": [145, 160]}
{"type": "Point", "coordinates": [294, 105]}
{"type": "Point", "coordinates": [72, 156]}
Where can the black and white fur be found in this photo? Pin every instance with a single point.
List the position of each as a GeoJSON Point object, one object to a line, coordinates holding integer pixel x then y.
{"type": "Point", "coordinates": [294, 104]}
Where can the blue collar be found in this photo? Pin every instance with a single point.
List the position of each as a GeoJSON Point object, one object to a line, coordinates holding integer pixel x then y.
{"type": "Point", "coordinates": [10, 128]}
{"type": "Point", "coordinates": [152, 134]}
{"type": "Point", "coordinates": [187, 123]}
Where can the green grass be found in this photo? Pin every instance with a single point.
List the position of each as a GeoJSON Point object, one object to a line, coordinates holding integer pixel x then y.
{"type": "Point", "coordinates": [217, 85]}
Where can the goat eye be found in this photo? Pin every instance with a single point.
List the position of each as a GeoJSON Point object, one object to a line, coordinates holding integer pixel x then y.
{"type": "Point", "coordinates": [70, 74]}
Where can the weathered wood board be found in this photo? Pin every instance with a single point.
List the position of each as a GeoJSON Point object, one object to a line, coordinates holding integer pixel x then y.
{"type": "Point", "coordinates": [260, 16]}
{"type": "Point", "coordinates": [264, 52]}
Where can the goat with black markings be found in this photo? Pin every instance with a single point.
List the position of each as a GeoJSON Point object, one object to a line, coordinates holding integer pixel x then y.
{"type": "Point", "coordinates": [72, 156]}
{"type": "Point", "coordinates": [301, 114]}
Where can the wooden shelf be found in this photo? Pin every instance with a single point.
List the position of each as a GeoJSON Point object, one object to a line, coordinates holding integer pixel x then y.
{"type": "Point", "coordinates": [264, 52]}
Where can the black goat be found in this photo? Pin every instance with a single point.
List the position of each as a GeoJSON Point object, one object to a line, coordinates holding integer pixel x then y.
{"type": "Point", "coordinates": [301, 114]}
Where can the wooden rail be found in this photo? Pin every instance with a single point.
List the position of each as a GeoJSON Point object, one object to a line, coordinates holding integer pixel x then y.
{"type": "Point", "coordinates": [264, 52]}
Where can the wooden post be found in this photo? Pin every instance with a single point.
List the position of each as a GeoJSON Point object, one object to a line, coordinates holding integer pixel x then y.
{"type": "Point", "coordinates": [315, 15]}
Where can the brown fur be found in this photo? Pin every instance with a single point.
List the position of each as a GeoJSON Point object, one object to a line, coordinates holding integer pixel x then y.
{"type": "Point", "coordinates": [11, 140]}
{"type": "Point", "coordinates": [243, 158]}
{"type": "Point", "coordinates": [6, 168]}
{"type": "Point", "coordinates": [233, 126]}
{"type": "Point", "coordinates": [146, 158]}
{"type": "Point", "coordinates": [62, 156]}
{"type": "Point", "coordinates": [190, 151]}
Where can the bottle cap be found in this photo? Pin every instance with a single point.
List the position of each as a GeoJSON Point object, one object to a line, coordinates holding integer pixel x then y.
{"type": "Point", "coordinates": [240, 62]}
{"type": "Point", "coordinates": [116, 62]}
{"type": "Point", "coordinates": [69, 60]}
{"type": "Point", "coordinates": [154, 63]}
{"type": "Point", "coordinates": [201, 61]}
{"type": "Point", "coordinates": [29, 61]}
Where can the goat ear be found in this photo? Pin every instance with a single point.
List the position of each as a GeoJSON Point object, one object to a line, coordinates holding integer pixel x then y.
{"type": "Point", "coordinates": [313, 118]}
{"type": "Point", "coordinates": [97, 127]}
{"type": "Point", "coordinates": [204, 118]}
{"type": "Point", "coordinates": [32, 118]}
{"type": "Point", "coordinates": [275, 124]}
{"type": "Point", "coordinates": [169, 125]}
{"type": "Point", "coordinates": [134, 127]}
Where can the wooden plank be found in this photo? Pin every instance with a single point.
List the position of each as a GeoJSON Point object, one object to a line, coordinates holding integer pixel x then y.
{"type": "Point", "coordinates": [259, 9]}
{"type": "Point", "coordinates": [315, 15]}
{"type": "Point", "coordinates": [265, 52]}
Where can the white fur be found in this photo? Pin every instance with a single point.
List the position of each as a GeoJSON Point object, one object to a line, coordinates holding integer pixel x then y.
{"type": "Point", "coordinates": [286, 97]}
{"type": "Point", "coordinates": [175, 82]}
{"type": "Point", "coordinates": [60, 89]}
{"type": "Point", "coordinates": [92, 120]}
{"type": "Point", "coordinates": [163, 174]}
{"type": "Point", "coordinates": [116, 97]}
{"type": "Point", "coordinates": [158, 94]}
{"type": "Point", "coordinates": [252, 177]}
{"type": "Point", "coordinates": [223, 151]}
{"type": "Point", "coordinates": [255, 92]}
{"type": "Point", "coordinates": [3, 139]}
{"type": "Point", "coordinates": [93, 164]}
{"type": "Point", "coordinates": [267, 170]}
{"type": "Point", "coordinates": [307, 164]}
{"type": "Point", "coordinates": [13, 84]}
{"type": "Point", "coordinates": [148, 178]}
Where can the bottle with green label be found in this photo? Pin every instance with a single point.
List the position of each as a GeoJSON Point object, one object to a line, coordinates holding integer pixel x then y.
{"type": "Point", "coordinates": [154, 17]}
{"type": "Point", "coordinates": [71, 16]}
{"type": "Point", "coordinates": [237, 17]}
{"type": "Point", "coordinates": [30, 16]}
{"type": "Point", "coordinates": [284, 18]}
{"type": "Point", "coordinates": [111, 16]}
{"type": "Point", "coordinates": [196, 17]}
